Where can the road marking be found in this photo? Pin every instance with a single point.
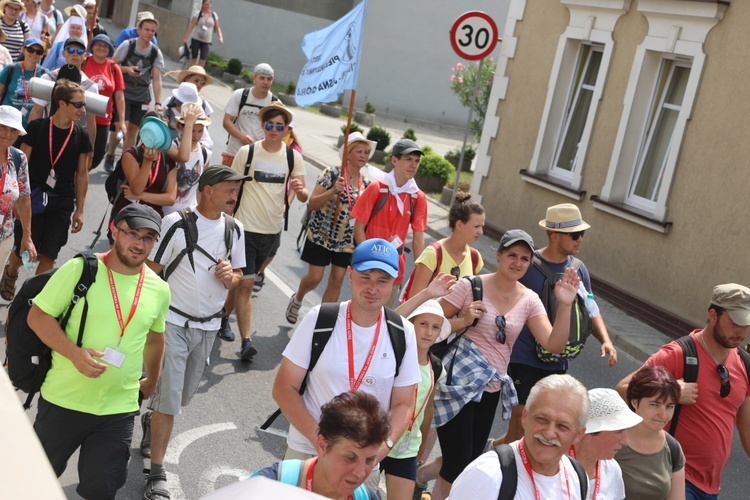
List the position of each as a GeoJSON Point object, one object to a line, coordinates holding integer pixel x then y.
{"type": "Point", "coordinates": [178, 444]}
{"type": "Point", "coordinates": [207, 482]}
{"type": "Point", "coordinates": [276, 280]}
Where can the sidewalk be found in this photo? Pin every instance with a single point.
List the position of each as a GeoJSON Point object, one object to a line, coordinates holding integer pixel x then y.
{"type": "Point", "coordinates": [318, 135]}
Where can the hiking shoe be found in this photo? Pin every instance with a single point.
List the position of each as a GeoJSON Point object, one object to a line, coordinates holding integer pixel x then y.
{"type": "Point", "coordinates": [260, 280]}
{"type": "Point", "coordinates": [109, 163]}
{"type": "Point", "coordinates": [156, 487]}
{"type": "Point", "coordinates": [248, 351]}
{"type": "Point", "coordinates": [226, 333]}
{"type": "Point", "coordinates": [292, 310]}
{"type": "Point", "coordinates": [146, 439]}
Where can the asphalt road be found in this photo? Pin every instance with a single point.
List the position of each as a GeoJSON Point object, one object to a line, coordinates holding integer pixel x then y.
{"type": "Point", "coordinates": [216, 439]}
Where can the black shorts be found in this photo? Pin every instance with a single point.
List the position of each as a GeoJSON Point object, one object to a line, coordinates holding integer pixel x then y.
{"type": "Point", "coordinates": [525, 376]}
{"type": "Point", "coordinates": [49, 231]}
{"type": "Point", "coordinates": [198, 49]}
{"type": "Point", "coordinates": [134, 112]}
{"type": "Point", "coordinates": [316, 255]}
{"type": "Point", "coordinates": [400, 467]}
{"type": "Point", "coordinates": [258, 248]}
{"type": "Point", "coordinates": [104, 442]}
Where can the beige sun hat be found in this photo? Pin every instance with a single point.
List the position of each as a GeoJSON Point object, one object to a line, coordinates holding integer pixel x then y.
{"type": "Point", "coordinates": [194, 70]}
{"type": "Point", "coordinates": [17, 3]}
{"type": "Point", "coordinates": [79, 10]}
{"type": "Point", "coordinates": [358, 137]}
{"type": "Point", "coordinates": [145, 16]}
{"type": "Point", "coordinates": [564, 218]}
{"type": "Point", "coordinates": [275, 105]}
{"type": "Point", "coordinates": [735, 300]}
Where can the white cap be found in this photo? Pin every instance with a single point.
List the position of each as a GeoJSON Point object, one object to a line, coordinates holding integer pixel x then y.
{"type": "Point", "coordinates": [358, 137]}
{"type": "Point", "coordinates": [433, 307]}
{"type": "Point", "coordinates": [608, 412]}
{"type": "Point", "coordinates": [11, 117]}
{"type": "Point", "coordinates": [187, 92]}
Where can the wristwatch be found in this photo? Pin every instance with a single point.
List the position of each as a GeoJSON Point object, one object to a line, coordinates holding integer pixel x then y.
{"type": "Point", "coordinates": [389, 443]}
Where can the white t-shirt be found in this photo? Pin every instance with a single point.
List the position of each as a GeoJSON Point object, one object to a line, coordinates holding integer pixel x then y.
{"type": "Point", "coordinates": [482, 479]}
{"type": "Point", "coordinates": [198, 292]}
{"type": "Point", "coordinates": [330, 377]}
{"type": "Point", "coordinates": [247, 118]}
{"type": "Point", "coordinates": [611, 486]}
{"type": "Point", "coordinates": [188, 174]}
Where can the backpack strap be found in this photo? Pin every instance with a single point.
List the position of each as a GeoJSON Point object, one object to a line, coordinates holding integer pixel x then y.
{"type": "Point", "coordinates": [437, 367]}
{"type": "Point", "coordinates": [230, 226]}
{"type": "Point", "coordinates": [248, 162]}
{"type": "Point", "coordinates": [289, 471]}
{"type": "Point", "coordinates": [583, 479]}
{"type": "Point", "coordinates": [690, 372]}
{"type": "Point", "coordinates": [383, 199]}
{"type": "Point", "coordinates": [674, 449]}
{"type": "Point", "coordinates": [745, 357]}
{"type": "Point", "coordinates": [290, 166]}
{"type": "Point", "coordinates": [474, 260]}
{"type": "Point", "coordinates": [11, 70]}
{"type": "Point", "coordinates": [507, 459]}
{"type": "Point", "coordinates": [189, 226]}
{"type": "Point", "coordinates": [397, 334]}
{"type": "Point", "coordinates": [438, 258]}
{"type": "Point", "coordinates": [15, 155]}
{"type": "Point", "coordinates": [243, 101]}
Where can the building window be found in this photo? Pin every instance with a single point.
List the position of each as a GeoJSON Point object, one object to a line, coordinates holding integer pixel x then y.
{"type": "Point", "coordinates": [659, 136]}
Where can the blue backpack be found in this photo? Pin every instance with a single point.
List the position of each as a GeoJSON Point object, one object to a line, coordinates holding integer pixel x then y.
{"type": "Point", "coordinates": [289, 472]}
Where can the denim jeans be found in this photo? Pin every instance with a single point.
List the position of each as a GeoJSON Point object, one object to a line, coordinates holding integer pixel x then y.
{"type": "Point", "coordinates": [693, 493]}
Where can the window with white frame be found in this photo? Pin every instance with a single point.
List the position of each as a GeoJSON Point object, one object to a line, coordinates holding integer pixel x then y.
{"type": "Point", "coordinates": [659, 135]}
{"type": "Point", "coordinates": [566, 159]}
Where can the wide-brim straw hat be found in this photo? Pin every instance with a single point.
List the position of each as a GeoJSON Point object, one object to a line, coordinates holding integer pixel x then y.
{"type": "Point", "coordinates": [194, 70]}
{"type": "Point", "coordinates": [18, 3]}
{"type": "Point", "coordinates": [275, 105]}
{"type": "Point", "coordinates": [358, 137]}
{"type": "Point", "coordinates": [564, 218]}
{"type": "Point", "coordinates": [80, 11]}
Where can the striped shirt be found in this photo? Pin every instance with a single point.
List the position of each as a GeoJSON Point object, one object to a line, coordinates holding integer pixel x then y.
{"type": "Point", "coordinates": [17, 33]}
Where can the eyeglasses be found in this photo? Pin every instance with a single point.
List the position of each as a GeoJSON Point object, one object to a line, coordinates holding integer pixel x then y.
{"type": "Point", "coordinates": [133, 237]}
{"type": "Point", "coordinates": [31, 50]}
{"type": "Point", "coordinates": [73, 50]}
{"type": "Point", "coordinates": [456, 272]}
{"type": "Point", "coordinates": [500, 336]}
{"type": "Point", "coordinates": [576, 235]}
{"type": "Point", "coordinates": [199, 81]}
{"type": "Point", "coordinates": [279, 127]}
{"type": "Point", "coordinates": [725, 387]}
{"type": "Point", "coordinates": [77, 104]}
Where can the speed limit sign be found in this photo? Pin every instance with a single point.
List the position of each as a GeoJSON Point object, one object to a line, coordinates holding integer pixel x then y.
{"type": "Point", "coordinates": [474, 35]}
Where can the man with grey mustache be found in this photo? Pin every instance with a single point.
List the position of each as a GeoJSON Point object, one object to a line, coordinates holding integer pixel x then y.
{"type": "Point", "coordinates": [554, 419]}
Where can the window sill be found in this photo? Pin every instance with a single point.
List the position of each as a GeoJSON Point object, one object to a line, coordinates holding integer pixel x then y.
{"type": "Point", "coordinates": [632, 215]}
{"type": "Point", "coordinates": [552, 184]}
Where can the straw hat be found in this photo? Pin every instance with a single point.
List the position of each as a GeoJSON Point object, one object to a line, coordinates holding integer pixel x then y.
{"type": "Point", "coordinates": [145, 16]}
{"type": "Point", "coordinates": [358, 137]}
{"type": "Point", "coordinates": [17, 3]}
{"type": "Point", "coordinates": [275, 105]}
{"type": "Point", "coordinates": [194, 70]}
{"type": "Point", "coordinates": [79, 10]}
{"type": "Point", "coordinates": [564, 218]}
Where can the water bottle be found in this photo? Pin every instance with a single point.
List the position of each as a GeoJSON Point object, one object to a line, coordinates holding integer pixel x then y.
{"type": "Point", "coordinates": [119, 136]}
{"type": "Point", "coordinates": [591, 306]}
{"type": "Point", "coordinates": [28, 264]}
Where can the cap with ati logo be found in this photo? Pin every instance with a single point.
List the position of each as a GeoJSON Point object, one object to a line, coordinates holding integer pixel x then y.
{"type": "Point", "coordinates": [376, 253]}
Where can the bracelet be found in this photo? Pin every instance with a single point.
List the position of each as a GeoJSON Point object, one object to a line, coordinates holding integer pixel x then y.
{"type": "Point", "coordinates": [157, 104]}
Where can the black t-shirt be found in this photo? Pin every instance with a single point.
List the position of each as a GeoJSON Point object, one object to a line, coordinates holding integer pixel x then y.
{"type": "Point", "coordinates": [37, 136]}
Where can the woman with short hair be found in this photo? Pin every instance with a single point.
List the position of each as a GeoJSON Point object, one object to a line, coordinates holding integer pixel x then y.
{"type": "Point", "coordinates": [200, 32]}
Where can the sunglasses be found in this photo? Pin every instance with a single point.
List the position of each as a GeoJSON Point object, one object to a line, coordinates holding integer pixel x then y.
{"type": "Point", "coordinates": [500, 336]}
{"type": "Point", "coordinates": [77, 104]}
{"type": "Point", "coordinates": [73, 50]}
{"type": "Point", "coordinates": [32, 50]}
{"type": "Point", "coordinates": [133, 236]}
{"type": "Point", "coordinates": [725, 387]}
{"type": "Point", "coordinates": [279, 127]}
{"type": "Point", "coordinates": [456, 272]}
{"type": "Point", "coordinates": [576, 235]}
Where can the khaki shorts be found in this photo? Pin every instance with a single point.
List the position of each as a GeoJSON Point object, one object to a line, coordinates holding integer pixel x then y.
{"type": "Point", "coordinates": [185, 358]}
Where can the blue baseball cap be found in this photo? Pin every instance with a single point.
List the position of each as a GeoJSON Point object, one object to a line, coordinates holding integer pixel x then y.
{"type": "Point", "coordinates": [32, 40]}
{"type": "Point", "coordinates": [376, 253]}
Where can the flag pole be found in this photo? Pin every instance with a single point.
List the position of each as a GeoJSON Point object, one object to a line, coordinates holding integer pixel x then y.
{"type": "Point", "coordinates": [343, 156]}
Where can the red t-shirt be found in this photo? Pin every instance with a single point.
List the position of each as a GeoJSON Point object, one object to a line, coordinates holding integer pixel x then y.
{"type": "Point", "coordinates": [389, 222]}
{"type": "Point", "coordinates": [108, 79]}
{"type": "Point", "coordinates": [705, 429]}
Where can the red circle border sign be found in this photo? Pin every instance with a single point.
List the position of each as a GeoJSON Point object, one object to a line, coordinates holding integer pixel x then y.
{"type": "Point", "coordinates": [491, 43]}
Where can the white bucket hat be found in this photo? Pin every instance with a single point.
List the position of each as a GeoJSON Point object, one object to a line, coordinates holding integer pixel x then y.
{"type": "Point", "coordinates": [433, 307]}
{"type": "Point", "coordinates": [358, 137]}
{"type": "Point", "coordinates": [11, 117]}
{"type": "Point", "coordinates": [608, 412]}
{"type": "Point", "coordinates": [187, 92]}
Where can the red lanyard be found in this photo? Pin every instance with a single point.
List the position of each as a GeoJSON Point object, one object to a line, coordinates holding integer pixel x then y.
{"type": "Point", "coordinates": [354, 385]}
{"type": "Point", "coordinates": [597, 482]}
{"type": "Point", "coordinates": [309, 477]}
{"type": "Point", "coordinates": [65, 144]}
{"type": "Point", "coordinates": [116, 299]}
{"type": "Point", "coordinates": [427, 396]}
{"type": "Point", "coordinates": [26, 87]}
{"type": "Point", "coordinates": [154, 171]}
{"type": "Point", "coordinates": [348, 192]}
{"type": "Point", "coordinates": [564, 483]}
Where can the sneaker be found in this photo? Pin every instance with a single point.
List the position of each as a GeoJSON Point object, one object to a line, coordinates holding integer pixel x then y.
{"type": "Point", "coordinates": [260, 280]}
{"type": "Point", "coordinates": [248, 351]}
{"type": "Point", "coordinates": [146, 439]}
{"type": "Point", "coordinates": [292, 310]}
{"type": "Point", "coordinates": [109, 163]}
{"type": "Point", "coordinates": [226, 333]}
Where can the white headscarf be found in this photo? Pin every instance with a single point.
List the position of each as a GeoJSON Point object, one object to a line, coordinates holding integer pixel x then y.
{"type": "Point", "coordinates": [63, 33]}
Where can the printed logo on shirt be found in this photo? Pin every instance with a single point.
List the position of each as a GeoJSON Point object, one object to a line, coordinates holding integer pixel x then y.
{"type": "Point", "coordinates": [370, 381]}
{"type": "Point", "coordinates": [271, 172]}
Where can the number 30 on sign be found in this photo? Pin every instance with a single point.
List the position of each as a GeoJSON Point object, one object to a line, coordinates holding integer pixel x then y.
{"type": "Point", "coordinates": [474, 35]}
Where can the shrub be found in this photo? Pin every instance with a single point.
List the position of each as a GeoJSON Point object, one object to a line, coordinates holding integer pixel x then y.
{"type": "Point", "coordinates": [215, 59]}
{"type": "Point", "coordinates": [291, 88]}
{"type": "Point", "coordinates": [409, 134]}
{"type": "Point", "coordinates": [427, 150]}
{"type": "Point", "coordinates": [247, 75]}
{"type": "Point", "coordinates": [234, 67]}
{"type": "Point", "coordinates": [436, 167]}
{"type": "Point", "coordinates": [369, 108]}
{"type": "Point", "coordinates": [455, 154]}
{"type": "Point", "coordinates": [462, 84]}
{"type": "Point", "coordinates": [381, 136]}
{"type": "Point", "coordinates": [354, 127]}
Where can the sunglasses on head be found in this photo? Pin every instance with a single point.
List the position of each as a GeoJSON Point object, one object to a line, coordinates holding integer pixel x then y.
{"type": "Point", "coordinates": [500, 336]}
{"type": "Point", "coordinates": [279, 126]}
{"type": "Point", "coordinates": [73, 50]}
{"type": "Point", "coordinates": [77, 104]}
{"type": "Point", "coordinates": [725, 387]}
{"type": "Point", "coordinates": [456, 272]}
{"type": "Point", "coordinates": [32, 50]}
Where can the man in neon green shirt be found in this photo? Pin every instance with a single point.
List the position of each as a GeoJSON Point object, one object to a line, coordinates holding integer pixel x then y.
{"type": "Point", "coordinates": [90, 395]}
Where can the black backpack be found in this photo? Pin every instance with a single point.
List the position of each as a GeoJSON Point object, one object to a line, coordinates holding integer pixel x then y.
{"type": "Point", "coordinates": [690, 369]}
{"type": "Point", "coordinates": [27, 357]}
{"type": "Point", "coordinates": [508, 487]}
{"type": "Point", "coordinates": [580, 319]}
{"type": "Point", "coordinates": [324, 326]}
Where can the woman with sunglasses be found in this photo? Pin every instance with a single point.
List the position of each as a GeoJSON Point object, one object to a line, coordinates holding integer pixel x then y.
{"type": "Point", "coordinates": [17, 77]}
{"type": "Point", "coordinates": [652, 463]}
{"type": "Point", "coordinates": [107, 75]}
{"type": "Point", "coordinates": [489, 327]}
{"type": "Point", "coordinates": [466, 220]}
